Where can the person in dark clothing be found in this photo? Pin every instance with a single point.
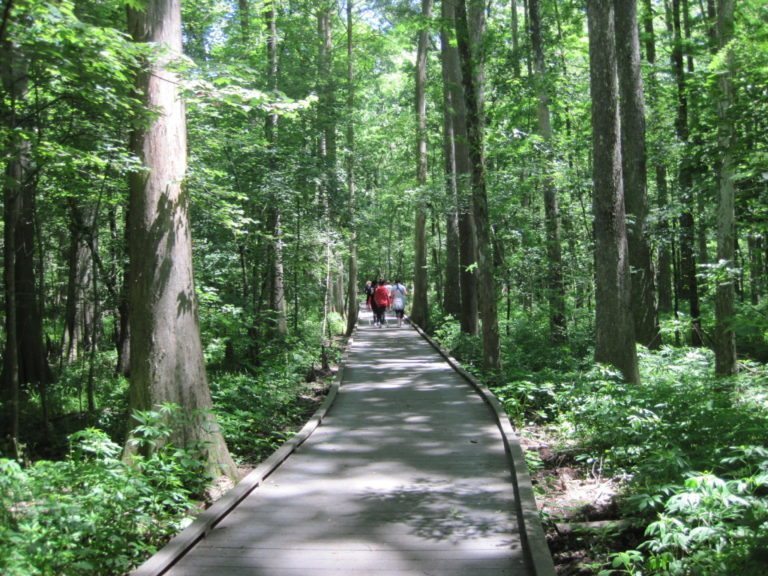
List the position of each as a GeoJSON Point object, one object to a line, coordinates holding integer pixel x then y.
{"type": "Point", "coordinates": [369, 288]}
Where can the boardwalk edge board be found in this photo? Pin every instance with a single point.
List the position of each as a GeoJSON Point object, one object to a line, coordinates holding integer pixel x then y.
{"type": "Point", "coordinates": [164, 559]}
{"type": "Point", "coordinates": [531, 530]}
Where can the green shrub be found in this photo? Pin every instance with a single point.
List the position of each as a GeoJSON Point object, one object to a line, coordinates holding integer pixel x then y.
{"type": "Point", "coordinates": [92, 514]}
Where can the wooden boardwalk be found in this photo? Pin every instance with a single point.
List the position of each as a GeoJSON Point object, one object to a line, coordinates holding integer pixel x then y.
{"type": "Point", "coordinates": [407, 475]}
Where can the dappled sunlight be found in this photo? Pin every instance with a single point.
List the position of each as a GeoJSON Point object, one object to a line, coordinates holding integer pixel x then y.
{"type": "Point", "coordinates": [407, 475]}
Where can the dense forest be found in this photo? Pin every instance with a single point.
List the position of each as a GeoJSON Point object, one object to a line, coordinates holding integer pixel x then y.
{"type": "Point", "coordinates": [575, 193]}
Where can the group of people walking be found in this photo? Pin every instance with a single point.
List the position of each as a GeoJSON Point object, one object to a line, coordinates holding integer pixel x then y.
{"type": "Point", "coordinates": [381, 296]}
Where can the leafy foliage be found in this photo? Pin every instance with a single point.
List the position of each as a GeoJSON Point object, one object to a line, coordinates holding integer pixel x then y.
{"type": "Point", "coordinates": [92, 513]}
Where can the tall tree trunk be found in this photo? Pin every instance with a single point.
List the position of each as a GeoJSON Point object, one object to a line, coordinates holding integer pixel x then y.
{"type": "Point", "coordinates": [689, 283]}
{"type": "Point", "coordinates": [467, 234]}
{"type": "Point", "coordinates": [555, 287]}
{"type": "Point", "coordinates": [725, 338]}
{"type": "Point", "coordinates": [756, 275]}
{"type": "Point", "coordinates": [124, 337]}
{"type": "Point", "coordinates": [14, 175]}
{"type": "Point", "coordinates": [635, 176]}
{"type": "Point", "coordinates": [166, 352]}
{"type": "Point", "coordinates": [24, 357]}
{"type": "Point", "coordinates": [664, 263]}
{"type": "Point", "coordinates": [327, 103]}
{"type": "Point", "coordinates": [615, 338]}
{"type": "Point", "coordinates": [420, 309]}
{"type": "Point", "coordinates": [515, 31]}
{"type": "Point", "coordinates": [278, 324]}
{"type": "Point", "coordinates": [452, 293]}
{"type": "Point", "coordinates": [33, 365]}
{"type": "Point", "coordinates": [352, 292]}
{"type": "Point", "coordinates": [471, 72]}
{"type": "Point", "coordinates": [79, 314]}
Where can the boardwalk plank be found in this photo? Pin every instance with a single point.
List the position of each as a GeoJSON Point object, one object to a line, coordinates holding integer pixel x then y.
{"type": "Point", "coordinates": [407, 475]}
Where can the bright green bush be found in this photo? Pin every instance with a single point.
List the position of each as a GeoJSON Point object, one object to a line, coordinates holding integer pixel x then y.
{"type": "Point", "coordinates": [660, 435]}
{"type": "Point", "coordinates": [91, 514]}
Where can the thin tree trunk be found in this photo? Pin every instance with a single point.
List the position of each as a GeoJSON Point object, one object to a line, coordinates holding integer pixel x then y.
{"type": "Point", "coordinates": [278, 325]}
{"type": "Point", "coordinates": [756, 279]}
{"type": "Point", "coordinates": [635, 177]}
{"type": "Point", "coordinates": [689, 282]}
{"type": "Point", "coordinates": [725, 337]}
{"type": "Point", "coordinates": [352, 302]}
{"type": "Point", "coordinates": [420, 310]}
{"type": "Point", "coordinates": [471, 72]}
{"type": "Point", "coordinates": [167, 362]}
{"type": "Point", "coordinates": [514, 25]}
{"type": "Point", "coordinates": [452, 293]}
{"type": "Point", "coordinates": [664, 262]}
{"type": "Point", "coordinates": [615, 338]}
{"type": "Point", "coordinates": [555, 286]}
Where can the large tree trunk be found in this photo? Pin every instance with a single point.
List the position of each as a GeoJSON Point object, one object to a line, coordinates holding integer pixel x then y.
{"type": "Point", "coordinates": [467, 234]}
{"type": "Point", "coordinates": [725, 338]}
{"type": "Point", "coordinates": [419, 309]}
{"type": "Point", "coordinates": [615, 338]}
{"type": "Point", "coordinates": [689, 284]}
{"type": "Point", "coordinates": [635, 176]}
{"type": "Point", "coordinates": [14, 175]}
{"type": "Point", "coordinates": [24, 357]}
{"type": "Point", "coordinates": [472, 76]}
{"type": "Point", "coordinates": [33, 365]}
{"type": "Point", "coordinates": [555, 287]}
{"type": "Point", "coordinates": [352, 292]}
{"type": "Point", "coordinates": [452, 292]}
{"type": "Point", "coordinates": [167, 363]}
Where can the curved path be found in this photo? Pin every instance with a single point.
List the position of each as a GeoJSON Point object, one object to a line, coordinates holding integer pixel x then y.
{"type": "Point", "coordinates": [407, 475]}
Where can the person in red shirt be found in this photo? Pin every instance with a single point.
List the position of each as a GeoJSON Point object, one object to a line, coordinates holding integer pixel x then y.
{"type": "Point", "coordinates": [380, 304]}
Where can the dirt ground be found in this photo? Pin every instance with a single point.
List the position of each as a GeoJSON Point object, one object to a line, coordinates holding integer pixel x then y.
{"type": "Point", "coordinates": [579, 508]}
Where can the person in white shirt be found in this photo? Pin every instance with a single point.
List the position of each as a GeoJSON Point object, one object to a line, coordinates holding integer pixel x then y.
{"type": "Point", "coordinates": [398, 294]}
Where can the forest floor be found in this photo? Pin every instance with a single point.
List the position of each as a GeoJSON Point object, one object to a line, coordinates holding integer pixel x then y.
{"type": "Point", "coordinates": [579, 508]}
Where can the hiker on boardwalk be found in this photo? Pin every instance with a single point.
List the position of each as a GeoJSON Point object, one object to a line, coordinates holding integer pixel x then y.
{"type": "Point", "coordinates": [380, 304]}
{"type": "Point", "coordinates": [369, 288]}
{"type": "Point", "coordinates": [397, 295]}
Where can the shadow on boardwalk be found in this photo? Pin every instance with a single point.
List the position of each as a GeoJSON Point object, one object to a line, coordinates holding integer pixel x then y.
{"type": "Point", "coordinates": [407, 475]}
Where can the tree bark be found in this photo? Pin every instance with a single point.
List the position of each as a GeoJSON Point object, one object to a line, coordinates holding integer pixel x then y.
{"type": "Point", "coordinates": [635, 177]}
{"type": "Point", "coordinates": [689, 284]}
{"type": "Point", "coordinates": [515, 32]}
{"type": "Point", "coordinates": [555, 287]}
{"type": "Point", "coordinates": [725, 337]}
{"type": "Point", "coordinates": [467, 234]}
{"type": "Point", "coordinates": [278, 324]}
{"type": "Point", "coordinates": [756, 272]}
{"type": "Point", "coordinates": [664, 258]}
{"type": "Point", "coordinates": [167, 363]}
{"type": "Point", "coordinates": [615, 338]}
{"type": "Point", "coordinates": [419, 307]}
{"type": "Point", "coordinates": [352, 291]}
{"type": "Point", "coordinates": [471, 72]}
{"type": "Point", "coordinates": [14, 174]}
{"type": "Point", "coordinates": [452, 292]}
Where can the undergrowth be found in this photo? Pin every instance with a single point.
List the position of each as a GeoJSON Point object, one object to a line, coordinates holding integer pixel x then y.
{"type": "Point", "coordinates": [689, 448]}
{"type": "Point", "coordinates": [91, 513]}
